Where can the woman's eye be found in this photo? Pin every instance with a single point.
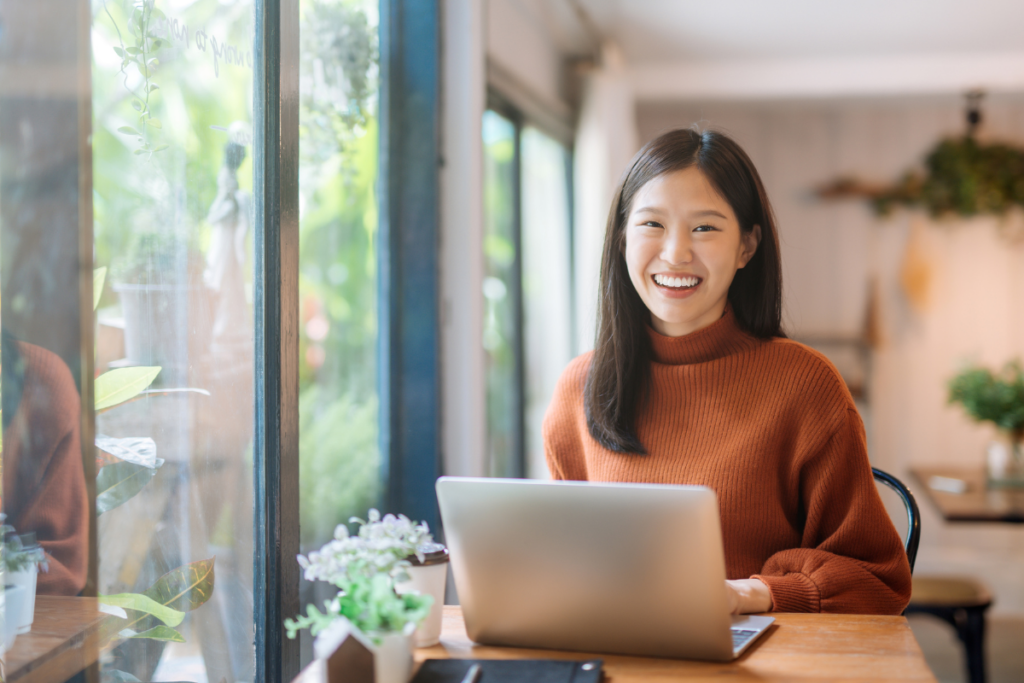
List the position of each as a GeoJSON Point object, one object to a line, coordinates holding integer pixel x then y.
{"type": "Point", "coordinates": [651, 224]}
{"type": "Point", "coordinates": [704, 228]}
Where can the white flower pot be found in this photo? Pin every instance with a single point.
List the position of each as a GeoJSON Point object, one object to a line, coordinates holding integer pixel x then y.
{"type": "Point", "coordinates": [26, 578]}
{"type": "Point", "coordinates": [14, 603]}
{"type": "Point", "coordinates": [430, 580]}
{"type": "Point", "coordinates": [392, 656]}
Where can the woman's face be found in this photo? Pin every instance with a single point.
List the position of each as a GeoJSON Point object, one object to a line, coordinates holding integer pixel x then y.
{"type": "Point", "coordinates": [683, 248]}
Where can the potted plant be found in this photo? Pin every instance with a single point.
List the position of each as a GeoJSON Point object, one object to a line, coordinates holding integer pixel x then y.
{"type": "Point", "coordinates": [155, 282]}
{"type": "Point", "coordinates": [22, 560]}
{"type": "Point", "coordinates": [366, 567]}
{"type": "Point", "coordinates": [997, 397]}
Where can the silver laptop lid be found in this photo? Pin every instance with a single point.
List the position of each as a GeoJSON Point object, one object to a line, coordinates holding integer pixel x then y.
{"type": "Point", "coordinates": [598, 567]}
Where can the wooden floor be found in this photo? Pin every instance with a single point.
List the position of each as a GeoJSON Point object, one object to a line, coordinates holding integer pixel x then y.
{"type": "Point", "coordinates": [944, 654]}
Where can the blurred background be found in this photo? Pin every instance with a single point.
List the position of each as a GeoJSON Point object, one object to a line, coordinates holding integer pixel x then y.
{"type": "Point", "coordinates": [889, 135]}
{"type": "Point", "coordinates": [901, 300]}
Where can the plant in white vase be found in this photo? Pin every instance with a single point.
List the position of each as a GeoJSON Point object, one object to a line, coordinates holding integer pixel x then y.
{"type": "Point", "coordinates": [365, 568]}
{"type": "Point", "coordinates": [996, 397]}
{"type": "Point", "coordinates": [22, 561]}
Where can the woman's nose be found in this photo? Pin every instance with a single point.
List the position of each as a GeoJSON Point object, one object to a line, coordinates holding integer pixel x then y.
{"type": "Point", "coordinates": [677, 248]}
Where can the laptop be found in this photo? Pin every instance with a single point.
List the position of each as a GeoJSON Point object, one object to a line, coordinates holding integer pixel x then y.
{"type": "Point", "coordinates": [635, 569]}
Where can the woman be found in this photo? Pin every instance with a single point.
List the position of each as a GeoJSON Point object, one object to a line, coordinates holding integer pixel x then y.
{"type": "Point", "coordinates": [692, 381]}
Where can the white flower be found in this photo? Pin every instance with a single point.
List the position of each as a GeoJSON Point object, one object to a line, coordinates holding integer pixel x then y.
{"type": "Point", "coordinates": [381, 546]}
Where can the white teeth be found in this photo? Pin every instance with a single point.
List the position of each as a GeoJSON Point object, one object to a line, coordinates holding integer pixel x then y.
{"type": "Point", "coordinates": [665, 281]}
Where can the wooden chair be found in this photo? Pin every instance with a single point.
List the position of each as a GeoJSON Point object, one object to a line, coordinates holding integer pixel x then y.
{"type": "Point", "coordinates": [959, 601]}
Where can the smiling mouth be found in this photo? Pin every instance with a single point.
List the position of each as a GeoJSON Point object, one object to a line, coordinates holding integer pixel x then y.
{"type": "Point", "coordinates": [683, 282]}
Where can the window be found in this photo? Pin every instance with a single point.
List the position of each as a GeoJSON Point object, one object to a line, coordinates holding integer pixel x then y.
{"type": "Point", "coordinates": [242, 322]}
{"type": "Point", "coordinates": [172, 205]}
{"type": "Point", "coordinates": [340, 463]}
{"type": "Point", "coordinates": [527, 286]}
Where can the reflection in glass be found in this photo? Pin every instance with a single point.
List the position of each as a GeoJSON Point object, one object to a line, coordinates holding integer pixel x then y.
{"type": "Point", "coordinates": [339, 456]}
{"type": "Point", "coordinates": [501, 296]}
{"type": "Point", "coordinates": [547, 274]}
{"type": "Point", "coordinates": [172, 172]}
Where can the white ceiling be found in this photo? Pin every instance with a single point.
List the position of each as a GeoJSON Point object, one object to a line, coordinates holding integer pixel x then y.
{"type": "Point", "coordinates": [713, 30]}
{"type": "Point", "coordinates": [684, 49]}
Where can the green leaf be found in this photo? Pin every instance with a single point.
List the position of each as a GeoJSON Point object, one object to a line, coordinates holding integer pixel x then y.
{"type": "Point", "coordinates": [141, 151]}
{"type": "Point", "coordinates": [161, 633]}
{"type": "Point", "coordinates": [143, 603]}
{"type": "Point", "coordinates": [117, 386]}
{"type": "Point", "coordinates": [185, 588]}
{"type": "Point", "coordinates": [118, 483]}
{"type": "Point", "coordinates": [160, 148]}
{"type": "Point", "coordinates": [134, 51]}
{"type": "Point", "coordinates": [155, 123]}
{"type": "Point", "coordinates": [153, 62]}
{"type": "Point", "coordinates": [153, 86]}
{"type": "Point", "coordinates": [99, 276]}
{"type": "Point", "coordinates": [119, 52]}
{"type": "Point", "coordinates": [137, 105]}
{"type": "Point", "coordinates": [128, 130]}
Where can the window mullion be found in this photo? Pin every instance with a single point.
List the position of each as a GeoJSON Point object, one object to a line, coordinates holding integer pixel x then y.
{"type": "Point", "coordinates": [276, 310]}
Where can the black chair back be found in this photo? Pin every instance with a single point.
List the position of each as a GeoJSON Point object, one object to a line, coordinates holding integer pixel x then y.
{"type": "Point", "coordinates": [913, 538]}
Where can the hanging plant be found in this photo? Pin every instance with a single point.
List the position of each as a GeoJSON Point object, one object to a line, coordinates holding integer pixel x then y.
{"type": "Point", "coordinates": [962, 177]}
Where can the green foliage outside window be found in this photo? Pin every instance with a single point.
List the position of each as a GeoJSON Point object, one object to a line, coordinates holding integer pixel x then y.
{"type": "Point", "coordinates": [338, 450]}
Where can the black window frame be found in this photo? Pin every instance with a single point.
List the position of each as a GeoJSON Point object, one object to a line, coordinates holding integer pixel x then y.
{"type": "Point", "coordinates": [409, 290]}
{"type": "Point", "coordinates": [505, 107]}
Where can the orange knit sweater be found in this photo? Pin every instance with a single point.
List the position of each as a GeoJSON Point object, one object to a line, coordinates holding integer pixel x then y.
{"type": "Point", "coordinates": [43, 478]}
{"type": "Point", "coordinates": [771, 427]}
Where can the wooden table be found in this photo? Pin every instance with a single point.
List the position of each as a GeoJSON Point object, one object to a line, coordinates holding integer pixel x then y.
{"type": "Point", "coordinates": [978, 503]}
{"type": "Point", "coordinates": [798, 647]}
{"type": "Point", "coordinates": [64, 640]}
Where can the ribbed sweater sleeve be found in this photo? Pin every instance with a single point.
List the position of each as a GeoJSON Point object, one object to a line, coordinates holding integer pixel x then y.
{"type": "Point", "coordinates": [850, 558]}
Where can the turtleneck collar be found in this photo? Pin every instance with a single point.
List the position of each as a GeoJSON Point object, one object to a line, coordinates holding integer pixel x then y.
{"type": "Point", "coordinates": [719, 339]}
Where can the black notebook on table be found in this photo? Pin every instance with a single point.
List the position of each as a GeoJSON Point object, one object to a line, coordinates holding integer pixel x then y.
{"type": "Point", "coordinates": [511, 670]}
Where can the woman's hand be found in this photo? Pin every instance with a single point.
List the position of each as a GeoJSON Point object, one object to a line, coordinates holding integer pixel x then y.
{"type": "Point", "coordinates": [747, 596]}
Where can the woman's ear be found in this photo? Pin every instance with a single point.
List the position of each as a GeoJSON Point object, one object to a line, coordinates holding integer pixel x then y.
{"type": "Point", "coordinates": [750, 241]}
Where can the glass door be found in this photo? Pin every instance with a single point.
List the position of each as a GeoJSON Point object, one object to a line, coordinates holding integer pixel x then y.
{"type": "Point", "coordinates": [172, 98]}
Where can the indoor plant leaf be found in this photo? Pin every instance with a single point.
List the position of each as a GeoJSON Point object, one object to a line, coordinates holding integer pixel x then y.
{"type": "Point", "coordinates": [183, 589]}
{"type": "Point", "coordinates": [143, 603]}
{"type": "Point", "coordinates": [117, 386]}
{"type": "Point", "coordinates": [139, 450]}
{"type": "Point", "coordinates": [99, 276]}
{"type": "Point", "coordinates": [155, 633]}
{"type": "Point", "coordinates": [117, 483]}
{"type": "Point", "coordinates": [186, 587]}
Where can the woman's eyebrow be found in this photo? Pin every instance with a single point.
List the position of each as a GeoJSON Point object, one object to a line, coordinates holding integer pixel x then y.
{"type": "Point", "coordinates": [708, 212]}
{"type": "Point", "coordinates": [648, 209]}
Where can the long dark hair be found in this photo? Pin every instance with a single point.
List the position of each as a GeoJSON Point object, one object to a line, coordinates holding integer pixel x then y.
{"type": "Point", "coordinates": [621, 366]}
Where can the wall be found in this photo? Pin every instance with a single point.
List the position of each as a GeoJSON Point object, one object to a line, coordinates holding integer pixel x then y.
{"type": "Point", "coordinates": [520, 42]}
{"type": "Point", "coordinates": [971, 309]}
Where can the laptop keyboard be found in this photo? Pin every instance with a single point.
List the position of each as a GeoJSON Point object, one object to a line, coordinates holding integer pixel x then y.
{"type": "Point", "coordinates": [740, 636]}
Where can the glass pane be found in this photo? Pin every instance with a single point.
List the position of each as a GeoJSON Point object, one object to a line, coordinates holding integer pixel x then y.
{"type": "Point", "coordinates": [500, 296]}
{"type": "Point", "coordinates": [44, 231]}
{"type": "Point", "coordinates": [339, 456]}
{"type": "Point", "coordinates": [172, 169]}
{"type": "Point", "coordinates": [547, 277]}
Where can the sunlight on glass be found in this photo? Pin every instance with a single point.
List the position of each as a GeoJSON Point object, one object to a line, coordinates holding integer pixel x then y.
{"type": "Point", "coordinates": [500, 314]}
{"type": "Point", "coordinates": [339, 456]}
{"type": "Point", "coordinates": [547, 278]}
{"type": "Point", "coordinates": [172, 172]}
